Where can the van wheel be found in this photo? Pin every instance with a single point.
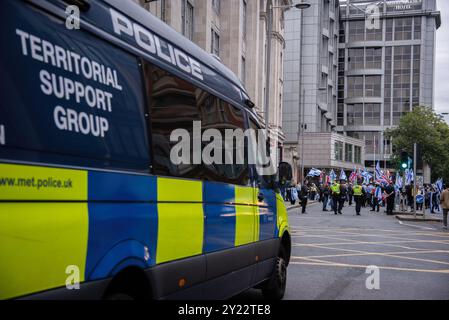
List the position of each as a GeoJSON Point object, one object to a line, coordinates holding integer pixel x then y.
{"type": "Point", "coordinates": [274, 289]}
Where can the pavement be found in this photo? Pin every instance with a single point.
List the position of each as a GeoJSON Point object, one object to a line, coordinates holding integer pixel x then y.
{"type": "Point", "coordinates": [331, 254]}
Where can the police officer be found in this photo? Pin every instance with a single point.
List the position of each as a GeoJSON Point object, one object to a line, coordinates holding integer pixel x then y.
{"type": "Point", "coordinates": [359, 196]}
{"type": "Point", "coordinates": [335, 192]}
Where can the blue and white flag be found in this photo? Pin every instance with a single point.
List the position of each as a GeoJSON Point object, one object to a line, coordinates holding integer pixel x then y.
{"type": "Point", "coordinates": [399, 183]}
{"type": "Point", "coordinates": [314, 173]}
{"type": "Point", "coordinates": [333, 176]}
{"type": "Point", "coordinates": [378, 193]}
{"type": "Point", "coordinates": [366, 176]}
{"type": "Point", "coordinates": [439, 185]}
{"type": "Point", "coordinates": [379, 172]}
{"type": "Point", "coordinates": [409, 177]}
{"type": "Point", "coordinates": [343, 175]}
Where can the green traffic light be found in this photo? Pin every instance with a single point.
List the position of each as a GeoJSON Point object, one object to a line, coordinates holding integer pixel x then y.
{"type": "Point", "coordinates": [404, 166]}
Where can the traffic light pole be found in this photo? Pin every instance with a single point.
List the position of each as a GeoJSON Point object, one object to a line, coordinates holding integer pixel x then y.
{"type": "Point", "coordinates": [415, 147]}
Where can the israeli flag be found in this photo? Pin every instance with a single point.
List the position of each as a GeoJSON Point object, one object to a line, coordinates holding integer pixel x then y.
{"type": "Point", "coordinates": [379, 193]}
{"type": "Point", "coordinates": [398, 181]}
{"type": "Point", "coordinates": [333, 176]}
{"type": "Point", "coordinates": [409, 177]}
{"type": "Point", "coordinates": [343, 175]}
{"type": "Point", "coordinates": [439, 185]}
{"type": "Point", "coordinates": [314, 173]}
{"type": "Point", "coordinates": [379, 172]}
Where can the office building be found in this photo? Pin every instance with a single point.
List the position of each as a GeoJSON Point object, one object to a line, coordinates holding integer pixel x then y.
{"type": "Point", "coordinates": [386, 66]}
{"type": "Point", "coordinates": [310, 91]}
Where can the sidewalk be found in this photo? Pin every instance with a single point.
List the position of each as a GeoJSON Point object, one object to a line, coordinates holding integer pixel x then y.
{"type": "Point", "coordinates": [409, 216]}
{"type": "Point", "coordinates": [401, 216]}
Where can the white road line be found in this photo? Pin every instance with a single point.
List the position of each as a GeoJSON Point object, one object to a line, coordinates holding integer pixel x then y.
{"type": "Point", "coordinates": [419, 227]}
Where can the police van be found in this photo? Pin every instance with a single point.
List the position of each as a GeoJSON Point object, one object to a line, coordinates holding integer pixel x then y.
{"type": "Point", "coordinates": [91, 207]}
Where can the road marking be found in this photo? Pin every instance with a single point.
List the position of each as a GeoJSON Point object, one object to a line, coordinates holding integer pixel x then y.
{"type": "Point", "coordinates": [370, 254]}
{"type": "Point", "coordinates": [391, 255]}
{"type": "Point", "coordinates": [413, 226]}
{"type": "Point", "coordinates": [343, 265]}
{"type": "Point", "coordinates": [367, 242]}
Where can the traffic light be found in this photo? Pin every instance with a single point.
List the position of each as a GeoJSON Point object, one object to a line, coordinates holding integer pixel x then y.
{"type": "Point", "coordinates": [405, 160]}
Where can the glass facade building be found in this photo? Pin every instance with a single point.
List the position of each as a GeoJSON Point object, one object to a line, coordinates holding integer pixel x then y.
{"type": "Point", "coordinates": [386, 66]}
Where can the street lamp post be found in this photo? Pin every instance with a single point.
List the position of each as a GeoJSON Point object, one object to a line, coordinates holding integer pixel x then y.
{"type": "Point", "coordinates": [270, 7]}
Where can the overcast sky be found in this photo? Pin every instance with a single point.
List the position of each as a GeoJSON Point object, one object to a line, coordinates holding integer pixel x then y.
{"type": "Point", "coordinates": [442, 60]}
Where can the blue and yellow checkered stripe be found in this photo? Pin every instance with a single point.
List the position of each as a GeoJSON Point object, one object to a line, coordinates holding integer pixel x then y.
{"type": "Point", "coordinates": [106, 221]}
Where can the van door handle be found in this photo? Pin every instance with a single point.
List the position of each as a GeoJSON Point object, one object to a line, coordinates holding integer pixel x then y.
{"type": "Point", "coordinates": [260, 196]}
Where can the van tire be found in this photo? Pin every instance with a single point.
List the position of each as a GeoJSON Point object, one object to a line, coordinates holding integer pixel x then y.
{"type": "Point", "coordinates": [274, 288]}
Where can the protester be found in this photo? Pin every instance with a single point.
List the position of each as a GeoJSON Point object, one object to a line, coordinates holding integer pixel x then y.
{"type": "Point", "coordinates": [325, 193]}
{"type": "Point", "coordinates": [390, 194]}
{"type": "Point", "coordinates": [293, 194]}
{"type": "Point", "coordinates": [409, 190]}
{"type": "Point", "coordinates": [420, 199]}
{"type": "Point", "coordinates": [445, 205]}
{"type": "Point", "coordinates": [335, 189]}
{"type": "Point", "coordinates": [350, 194]}
{"type": "Point", "coordinates": [343, 196]}
{"type": "Point", "coordinates": [435, 202]}
{"type": "Point", "coordinates": [313, 191]}
{"type": "Point", "coordinates": [376, 198]}
{"type": "Point", "coordinates": [304, 194]}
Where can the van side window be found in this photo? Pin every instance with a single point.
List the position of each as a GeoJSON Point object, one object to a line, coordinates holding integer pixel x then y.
{"type": "Point", "coordinates": [176, 104]}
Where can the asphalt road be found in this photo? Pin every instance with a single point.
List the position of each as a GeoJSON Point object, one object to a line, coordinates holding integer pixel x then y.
{"type": "Point", "coordinates": [330, 256]}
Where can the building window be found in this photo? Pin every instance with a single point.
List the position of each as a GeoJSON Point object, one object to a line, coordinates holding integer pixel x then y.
{"type": "Point", "coordinates": [389, 30]}
{"type": "Point", "coordinates": [338, 152]}
{"type": "Point", "coordinates": [357, 154]}
{"type": "Point", "coordinates": [216, 6]}
{"type": "Point", "coordinates": [342, 32]}
{"type": "Point", "coordinates": [187, 19]}
{"type": "Point", "coordinates": [341, 114]}
{"type": "Point", "coordinates": [355, 86]}
{"type": "Point", "coordinates": [373, 58]}
{"type": "Point", "coordinates": [417, 30]}
{"type": "Point", "coordinates": [348, 152]}
{"type": "Point", "coordinates": [355, 59]}
{"type": "Point", "coordinates": [403, 29]}
{"type": "Point", "coordinates": [402, 76]}
{"type": "Point", "coordinates": [356, 30]}
{"type": "Point", "coordinates": [355, 114]}
{"type": "Point", "coordinates": [215, 43]}
{"type": "Point", "coordinates": [373, 86]}
{"type": "Point", "coordinates": [374, 34]}
{"type": "Point", "coordinates": [372, 114]}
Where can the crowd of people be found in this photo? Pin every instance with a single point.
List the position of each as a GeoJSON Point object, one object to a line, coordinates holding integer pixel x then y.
{"type": "Point", "coordinates": [336, 195]}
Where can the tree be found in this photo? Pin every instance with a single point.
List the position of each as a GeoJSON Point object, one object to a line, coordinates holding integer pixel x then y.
{"type": "Point", "coordinates": [423, 126]}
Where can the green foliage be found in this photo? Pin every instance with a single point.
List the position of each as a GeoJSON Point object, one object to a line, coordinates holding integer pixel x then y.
{"type": "Point", "coordinates": [426, 128]}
